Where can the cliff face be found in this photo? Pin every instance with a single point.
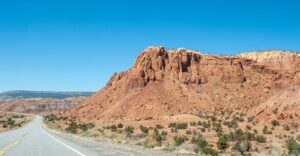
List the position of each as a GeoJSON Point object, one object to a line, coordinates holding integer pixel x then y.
{"type": "Point", "coordinates": [279, 60]}
{"type": "Point", "coordinates": [167, 82]}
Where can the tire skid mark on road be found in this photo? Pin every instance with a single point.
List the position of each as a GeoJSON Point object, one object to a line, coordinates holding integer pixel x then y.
{"type": "Point", "coordinates": [12, 144]}
{"type": "Point", "coordinates": [69, 147]}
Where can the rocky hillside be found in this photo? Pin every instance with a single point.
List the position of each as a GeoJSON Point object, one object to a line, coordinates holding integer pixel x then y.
{"type": "Point", "coordinates": [171, 82]}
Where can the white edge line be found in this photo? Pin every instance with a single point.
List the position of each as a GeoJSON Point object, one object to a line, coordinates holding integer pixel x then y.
{"type": "Point", "coordinates": [71, 148]}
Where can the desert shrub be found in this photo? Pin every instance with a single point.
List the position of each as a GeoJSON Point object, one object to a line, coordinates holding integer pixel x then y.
{"type": "Point", "coordinates": [18, 116]}
{"type": "Point", "coordinates": [201, 143]}
{"type": "Point", "coordinates": [129, 129]}
{"type": "Point", "coordinates": [182, 126]}
{"type": "Point", "coordinates": [113, 128]}
{"type": "Point", "coordinates": [218, 128]}
{"type": "Point", "coordinates": [275, 123]}
{"type": "Point", "coordinates": [172, 125]}
{"type": "Point", "coordinates": [72, 128]}
{"type": "Point", "coordinates": [159, 126]}
{"type": "Point", "coordinates": [222, 113]}
{"type": "Point", "coordinates": [255, 131]}
{"type": "Point", "coordinates": [222, 143]}
{"type": "Point", "coordinates": [209, 151]}
{"type": "Point", "coordinates": [206, 124]}
{"type": "Point", "coordinates": [50, 118]}
{"type": "Point", "coordinates": [155, 131]}
{"type": "Point", "coordinates": [242, 147]}
{"type": "Point", "coordinates": [239, 135]}
{"type": "Point", "coordinates": [248, 136]}
{"type": "Point", "coordinates": [266, 131]}
{"type": "Point", "coordinates": [178, 140]}
{"type": "Point", "coordinates": [199, 123]}
{"type": "Point", "coordinates": [260, 139]}
{"type": "Point", "coordinates": [164, 133]}
{"type": "Point", "coordinates": [287, 128]}
{"type": "Point", "coordinates": [158, 138]}
{"type": "Point", "coordinates": [100, 130]}
{"type": "Point", "coordinates": [19, 124]}
{"type": "Point", "coordinates": [213, 118]}
{"type": "Point", "coordinates": [84, 127]}
{"type": "Point", "coordinates": [298, 137]}
{"type": "Point", "coordinates": [10, 122]}
{"type": "Point", "coordinates": [188, 132]}
{"type": "Point", "coordinates": [178, 126]}
{"type": "Point", "coordinates": [173, 130]}
{"type": "Point", "coordinates": [230, 124]}
{"type": "Point", "coordinates": [248, 127]}
{"type": "Point", "coordinates": [193, 123]}
{"type": "Point", "coordinates": [120, 125]}
{"type": "Point", "coordinates": [293, 147]}
{"type": "Point", "coordinates": [144, 129]}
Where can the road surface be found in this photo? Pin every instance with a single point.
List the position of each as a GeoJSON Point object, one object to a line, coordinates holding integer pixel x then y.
{"type": "Point", "coordinates": [34, 140]}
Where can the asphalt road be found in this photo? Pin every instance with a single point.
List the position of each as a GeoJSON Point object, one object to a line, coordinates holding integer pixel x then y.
{"type": "Point", "coordinates": [34, 140]}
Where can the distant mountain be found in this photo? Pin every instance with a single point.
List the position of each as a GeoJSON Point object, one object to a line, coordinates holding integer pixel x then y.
{"type": "Point", "coordinates": [22, 94]}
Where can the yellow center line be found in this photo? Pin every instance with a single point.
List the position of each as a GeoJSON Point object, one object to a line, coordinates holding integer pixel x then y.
{"type": "Point", "coordinates": [12, 144]}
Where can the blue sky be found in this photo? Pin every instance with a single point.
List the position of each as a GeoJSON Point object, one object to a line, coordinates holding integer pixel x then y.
{"type": "Point", "coordinates": [76, 45]}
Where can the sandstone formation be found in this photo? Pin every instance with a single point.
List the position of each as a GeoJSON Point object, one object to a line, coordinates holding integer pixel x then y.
{"type": "Point", "coordinates": [41, 105]}
{"type": "Point", "coordinates": [168, 82]}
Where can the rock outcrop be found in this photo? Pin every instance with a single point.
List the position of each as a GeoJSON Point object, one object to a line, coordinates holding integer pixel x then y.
{"type": "Point", "coordinates": [38, 106]}
{"type": "Point", "coordinates": [279, 60]}
{"type": "Point", "coordinates": [167, 82]}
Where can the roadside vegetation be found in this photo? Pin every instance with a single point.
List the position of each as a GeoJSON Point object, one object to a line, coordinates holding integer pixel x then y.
{"type": "Point", "coordinates": [10, 121]}
{"type": "Point", "coordinates": [223, 133]}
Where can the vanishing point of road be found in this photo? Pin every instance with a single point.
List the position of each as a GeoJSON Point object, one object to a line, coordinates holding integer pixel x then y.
{"type": "Point", "coordinates": [35, 140]}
